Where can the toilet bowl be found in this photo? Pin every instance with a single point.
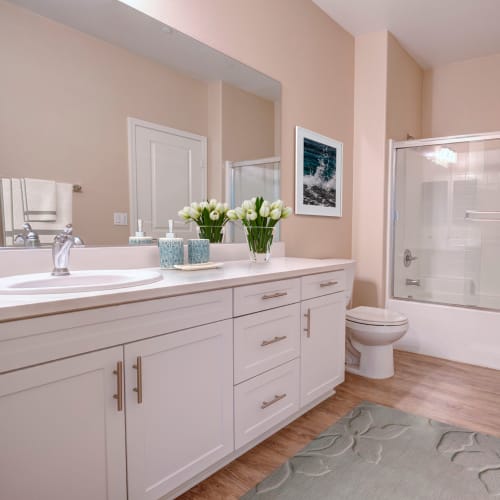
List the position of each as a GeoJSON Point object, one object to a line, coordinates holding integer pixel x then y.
{"type": "Point", "coordinates": [371, 333]}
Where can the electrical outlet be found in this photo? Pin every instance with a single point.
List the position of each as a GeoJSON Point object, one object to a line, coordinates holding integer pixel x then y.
{"type": "Point", "coordinates": [120, 219]}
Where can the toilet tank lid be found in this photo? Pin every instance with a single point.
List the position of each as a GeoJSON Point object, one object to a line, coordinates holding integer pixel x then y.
{"type": "Point", "coordinates": [375, 316]}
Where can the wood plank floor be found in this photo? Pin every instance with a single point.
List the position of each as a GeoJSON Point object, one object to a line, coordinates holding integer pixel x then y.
{"type": "Point", "coordinates": [455, 393]}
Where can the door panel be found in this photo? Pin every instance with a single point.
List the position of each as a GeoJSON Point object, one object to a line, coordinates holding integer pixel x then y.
{"type": "Point", "coordinates": [61, 435]}
{"type": "Point", "coordinates": [185, 420]}
{"type": "Point", "coordinates": [323, 346]}
{"type": "Point", "coordinates": [160, 158]}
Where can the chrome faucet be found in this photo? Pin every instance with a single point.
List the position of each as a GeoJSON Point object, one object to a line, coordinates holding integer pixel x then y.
{"type": "Point", "coordinates": [29, 238]}
{"type": "Point", "coordinates": [60, 250]}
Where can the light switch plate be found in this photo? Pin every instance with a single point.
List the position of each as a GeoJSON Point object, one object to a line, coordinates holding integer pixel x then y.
{"type": "Point", "coordinates": [120, 219]}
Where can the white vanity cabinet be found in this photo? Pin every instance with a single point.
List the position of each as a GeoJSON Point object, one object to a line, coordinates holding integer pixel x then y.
{"type": "Point", "coordinates": [142, 400]}
{"type": "Point", "coordinates": [61, 434]}
{"type": "Point", "coordinates": [322, 334]}
{"type": "Point", "coordinates": [179, 407]}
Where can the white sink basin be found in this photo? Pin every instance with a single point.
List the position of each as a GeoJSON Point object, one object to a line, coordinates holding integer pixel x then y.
{"type": "Point", "coordinates": [77, 281]}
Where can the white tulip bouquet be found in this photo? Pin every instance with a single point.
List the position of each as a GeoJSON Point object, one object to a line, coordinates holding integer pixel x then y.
{"type": "Point", "coordinates": [259, 218]}
{"type": "Point", "coordinates": [210, 216]}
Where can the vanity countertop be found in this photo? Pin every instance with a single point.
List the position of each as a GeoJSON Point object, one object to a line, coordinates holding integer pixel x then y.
{"type": "Point", "coordinates": [174, 282]}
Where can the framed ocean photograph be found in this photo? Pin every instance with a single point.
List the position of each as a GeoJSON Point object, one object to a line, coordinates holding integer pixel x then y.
{"type": "Point", "coordinates": [318, 178]}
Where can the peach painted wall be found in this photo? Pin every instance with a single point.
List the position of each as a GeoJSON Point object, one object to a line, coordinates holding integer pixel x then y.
{"type": "Point", "coordinates": [462, 97]}
{"type": "Point", "coordinates": [65, 98]}
{"type": "Point", "coordinates": [296, 43]}
{"type": "Point", "coordinates": [404, 93]}
{"type": "Point", "coordinates": [369, 167]}
{"type": "Point", "coordinates": [247, 126]}
{"type": "Point", "coordinates": [388, 103]}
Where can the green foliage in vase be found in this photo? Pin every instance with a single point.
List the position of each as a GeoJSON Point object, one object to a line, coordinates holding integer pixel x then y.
{"type": "Point", "coordinates": [259, 217]}
{"type": "Point", "coordinates": [210, 216]}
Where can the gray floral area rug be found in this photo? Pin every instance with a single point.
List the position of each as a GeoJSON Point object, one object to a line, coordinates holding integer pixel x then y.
{"type": "Point", "coordinates": [379, 453]}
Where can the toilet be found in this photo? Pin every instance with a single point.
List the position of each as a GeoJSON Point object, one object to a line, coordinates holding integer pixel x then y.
{"type": "Point", "coordinates": [370, 335]}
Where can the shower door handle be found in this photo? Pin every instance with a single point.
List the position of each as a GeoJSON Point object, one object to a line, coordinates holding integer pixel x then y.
{"type": "Point", "coordinates": [408, 258]}
{"type": "Point", "coordinates": [411, 282]}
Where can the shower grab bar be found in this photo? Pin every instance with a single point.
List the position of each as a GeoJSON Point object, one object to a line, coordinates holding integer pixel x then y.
{"type": "Point", "coordinates": [482, 215]}
{"type": "Point", "coordinates": [410, 282]}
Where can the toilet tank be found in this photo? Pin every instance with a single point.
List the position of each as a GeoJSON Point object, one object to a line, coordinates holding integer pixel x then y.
{"type": "Point", "coordinates": [349, 268]}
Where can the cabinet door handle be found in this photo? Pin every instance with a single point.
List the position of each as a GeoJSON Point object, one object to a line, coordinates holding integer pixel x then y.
{"type": "Point", "coordinates": [138, 389]}
{"type": "Point", "coordinates": [119, 385]}
{"type": "Point", "coordinates": [274, 295]}
{"type": "Point", "coordinates": [272, 341]}
{"type": "Point", "coordinates": [278, 397]}
{"type": "Point", "coordinates": [328, 283]}
{"type": "Point", "coordinates": [307, 329]}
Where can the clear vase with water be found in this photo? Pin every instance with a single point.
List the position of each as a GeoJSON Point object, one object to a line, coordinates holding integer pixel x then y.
{"type": "Point", "coordinates": [259, 241]}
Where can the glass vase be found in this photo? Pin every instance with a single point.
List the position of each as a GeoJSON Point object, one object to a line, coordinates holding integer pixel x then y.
{"type": "Point", "coordinates": [215, 234]}
{"type": "Point", "coordinates": [259, 241]}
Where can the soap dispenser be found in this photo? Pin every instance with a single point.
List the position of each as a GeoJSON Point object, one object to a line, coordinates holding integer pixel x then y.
{"type": "Point", "coordinates": [140, 238]}
{"type": "Point", "coordinates": [171, 249]}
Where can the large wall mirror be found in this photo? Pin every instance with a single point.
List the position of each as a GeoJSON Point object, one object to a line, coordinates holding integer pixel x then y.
{"type": "Point", "coordinates": [89, 89]}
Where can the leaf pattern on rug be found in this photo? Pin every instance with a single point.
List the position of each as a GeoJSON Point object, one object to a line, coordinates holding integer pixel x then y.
{"type": "Point", "coordinates": [453, 441]}
{"type": "Point", "coordinates": [475, 452]}
{"type": "Point", "coordinates": [360, 422]}
{"type": "Point", "coordinates": [275, 480]}
{"type": "Point", "coordinates": [371, 451]}
{"type": "Point", "coordinates": [317, 459]}
{"type": "Point", "coordinates": [360, 436]}
{"type": "Point", "coordinates": [476, 460]}
{"type": "Point", "coordinates": [334, 446]}
{"type": "Point", "coordinates": [491, 481]}
{"type": "Point", "coordinates": [389, 431]}
{"type": "Point", "coordinates": [309, 466]}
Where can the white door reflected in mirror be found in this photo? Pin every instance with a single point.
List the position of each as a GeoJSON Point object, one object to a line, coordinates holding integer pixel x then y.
{"type": "Point", "coordinates": [159, 157]}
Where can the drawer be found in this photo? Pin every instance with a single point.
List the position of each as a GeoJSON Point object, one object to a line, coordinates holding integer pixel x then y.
{"type": "Point", "coordinates": [265, 340]}
{"type": "Point", "coordinates": [317, 285]}
{"type": "Point", "coordinates": [254, 298]}
{"type": "Point", "coordinates": [264, 401]}
{"type": "Point", "coordinates": [33, 341]}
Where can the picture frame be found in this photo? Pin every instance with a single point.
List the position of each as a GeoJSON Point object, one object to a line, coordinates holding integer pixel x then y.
{"type": "Point", "coordinates": [318, 174]}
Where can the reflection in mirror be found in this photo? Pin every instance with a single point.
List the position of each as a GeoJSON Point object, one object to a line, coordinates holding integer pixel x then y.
{"type": "Point", "coordinates": [88, 91]}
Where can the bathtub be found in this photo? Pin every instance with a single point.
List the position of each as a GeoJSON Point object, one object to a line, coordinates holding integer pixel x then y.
{"type": "Point", "coordinates": [466, 334]}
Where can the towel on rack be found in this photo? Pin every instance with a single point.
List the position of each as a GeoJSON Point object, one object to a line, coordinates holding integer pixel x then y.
{"type": "Point", "coordinates": [39, 200]}
{"type": "Point", "coordinates": [12, 212]}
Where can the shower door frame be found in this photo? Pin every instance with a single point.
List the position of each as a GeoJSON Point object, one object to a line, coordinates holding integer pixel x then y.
{"type": "Point", "coordinates": [391, 208]}
{"type": "Point", "coordinates": [231, 165]}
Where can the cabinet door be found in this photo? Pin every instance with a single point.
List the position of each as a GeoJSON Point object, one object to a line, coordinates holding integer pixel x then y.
{"type": "Point", "coordinates": [322, 346]}
{"type": "Point", "coordinates": [184, 422]}
{"type": "Point", "coordinates": [61, 435]}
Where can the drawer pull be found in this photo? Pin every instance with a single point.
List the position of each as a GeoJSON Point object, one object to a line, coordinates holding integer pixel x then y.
{"type": "Point", "coordinates": [272, 341]}
{"type": "Point", "coordinates": [119, 386]}
{"type": "Point", "coordinates": [307, 329]}
{"type": "Point", "coordinates": [278, 397]}
{"type": "Point", "coordinates": [328, 283]}
{"type": "Point", "coordinates": [274, 295]}
{"type": "Point", "coordinates": [138, 389]}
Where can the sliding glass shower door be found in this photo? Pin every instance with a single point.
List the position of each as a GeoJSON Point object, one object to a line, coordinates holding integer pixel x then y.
{"type": "Point", "coordinates": [446, 221]}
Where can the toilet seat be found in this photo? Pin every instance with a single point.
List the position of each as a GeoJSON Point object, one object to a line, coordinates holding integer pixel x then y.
{"type": "Point", "coordinates": [375, 316]}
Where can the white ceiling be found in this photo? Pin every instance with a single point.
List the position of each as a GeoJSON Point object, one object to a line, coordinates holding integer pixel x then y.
{"type": "Point", "coordinates": [434, 32]}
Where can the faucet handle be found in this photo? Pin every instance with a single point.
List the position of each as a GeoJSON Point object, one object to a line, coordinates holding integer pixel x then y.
{"type": "Point", "coordinates": [29, 238]}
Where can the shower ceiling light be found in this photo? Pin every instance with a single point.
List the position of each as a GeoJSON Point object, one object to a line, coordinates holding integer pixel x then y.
{"type": "Point", "coordinates": [443, 156]}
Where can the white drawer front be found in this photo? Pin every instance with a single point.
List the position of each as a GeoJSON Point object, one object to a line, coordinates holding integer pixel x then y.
{"type": "Point", "coordinates": [317, 285]}
{"type": "Point", "coordinates": [264, 401]}
{"type": "Point", "coordinates": [253, 298]}
{"type": "Point", "coordinates": [29, 342]}
{"type": "Point", "coordinates": [265, 340]}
